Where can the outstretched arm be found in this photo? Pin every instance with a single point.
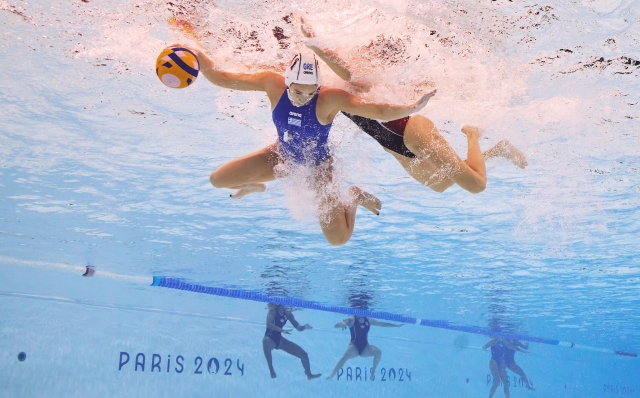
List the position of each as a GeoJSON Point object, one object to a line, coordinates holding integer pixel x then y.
{"type": "Point", "coordinates": [262, 81]}
{"type": "Point", "coordinates": [383, 324]}
{"type": "Point", "coordinates": [515, 346]}
{"type": "Point", "coordinates": [347, 323]}
{"type": "Point", "coordinates": [345, 102]}
{"type": "Point", "coordinates": [295, 323]}
{"type": "Point", "coordinates": [490, 343]}
{"type": "Point", "coordinates": [270, 82]}
{"type": "Point", "coordinates": [333, 61]}
{"type": "Point", "coordinates": [331, 58]}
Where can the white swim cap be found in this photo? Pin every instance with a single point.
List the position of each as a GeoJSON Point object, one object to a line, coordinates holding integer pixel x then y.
{"type": "Point", "coordinates": [303, 70]}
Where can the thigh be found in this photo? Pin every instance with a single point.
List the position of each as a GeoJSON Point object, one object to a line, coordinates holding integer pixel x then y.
{"type": "Point", "coordinates": [425, 172]}
{"type": "Point", "coordinates": [351, 352]}
{"type": "Point", "coordinates": [424, 139]}
{"type": "Point", "coordinates": [495, 371]}
{"type": "Point", "coordinates": [268, 344]}
{"type": "Point", "coordinates": [291, 348]}
{"type": "Point", "coordinates": [321, 178]}
{"type": "Point", "coordinates": [257, 166]}
{"type": "Point", "coordinates": [503, 374]}
{"type": "Point", "coordinates": [419, 168]}
{"type": "Point", "coordinates": [370, 351]}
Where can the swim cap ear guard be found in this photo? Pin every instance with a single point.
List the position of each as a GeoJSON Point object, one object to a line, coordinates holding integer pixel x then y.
{"type": "Point", "coordinates": [303, 70]}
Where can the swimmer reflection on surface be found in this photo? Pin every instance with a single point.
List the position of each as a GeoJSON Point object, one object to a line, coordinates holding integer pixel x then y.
{"type": "Point", "coordinates": [277, 317]}
{"type": "Point", "coordinates": [511, 346]}
{"type": "Point", "coordinates": [303, 112]}
{"type": "Point", "coordinates": [418, 146]}
{"type": "Point", "coordinates": [502, 353]}
{"type": "Point", "coordinates": [359, 344]}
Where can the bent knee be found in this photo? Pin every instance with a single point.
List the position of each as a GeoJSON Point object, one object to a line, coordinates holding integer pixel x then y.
{"type": "Point", "coordinates": [439, 188]}
{"type": "Point", "coordinates": [217, 179]}
{"type": "Point", "coordinates": [479, 187]}
{"type": "Point", "coordinates": [338, 239]}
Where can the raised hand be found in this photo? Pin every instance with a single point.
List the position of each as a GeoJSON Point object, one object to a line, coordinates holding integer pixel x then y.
{"type": "Point", "coordinates": [422, 102]}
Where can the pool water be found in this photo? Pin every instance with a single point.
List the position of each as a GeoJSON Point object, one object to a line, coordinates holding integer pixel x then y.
{"type": "Point", "coordinates": [102, 165]}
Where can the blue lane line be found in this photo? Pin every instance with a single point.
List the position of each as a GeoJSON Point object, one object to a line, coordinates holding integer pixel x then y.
{"type": "Point", "coordinates": [179, 284]}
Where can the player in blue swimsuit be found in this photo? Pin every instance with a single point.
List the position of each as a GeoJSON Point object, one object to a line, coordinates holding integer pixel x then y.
{"type": "Point", "coordinates": [497, 365]}
{"type": "Point", "coordinates": [277, 317]}
{"type": "Point", "coordinates": [302, 112]}
{"type": "Point", "coordinates": [359, 343]}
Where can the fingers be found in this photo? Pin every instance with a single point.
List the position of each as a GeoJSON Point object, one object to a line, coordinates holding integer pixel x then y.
{"type": "Point", "coordinates": [424, 100]}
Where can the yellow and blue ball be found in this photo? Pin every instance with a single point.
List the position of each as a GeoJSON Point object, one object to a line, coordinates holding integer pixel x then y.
{"type": "Point", "coordinates": [177, 67]}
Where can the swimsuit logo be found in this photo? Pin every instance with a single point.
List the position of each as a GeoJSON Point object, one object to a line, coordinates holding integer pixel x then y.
{"type": "Point", "coordinates": [295, 122]}
{"type": "Point", "coordinates": [307, 66]}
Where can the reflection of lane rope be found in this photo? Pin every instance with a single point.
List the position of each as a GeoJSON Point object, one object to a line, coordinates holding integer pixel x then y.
{"type": "Point", "coordinates": [440, 324]}
{"type": "Point", "coordinates": [174, 283]}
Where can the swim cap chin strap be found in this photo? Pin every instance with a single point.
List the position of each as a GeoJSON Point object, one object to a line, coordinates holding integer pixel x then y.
{"type": "Point", "coordinates": [303, 70]}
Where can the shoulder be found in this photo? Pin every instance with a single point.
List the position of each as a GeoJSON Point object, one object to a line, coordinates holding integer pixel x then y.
{"type": "Point", "coordinates": [332, 93]}
{"type": "Point", "coordinates": [272, 80]}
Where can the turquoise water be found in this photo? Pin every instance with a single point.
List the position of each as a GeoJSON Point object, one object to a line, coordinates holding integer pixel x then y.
{"type": "Point", "coordinates": [102, 165]}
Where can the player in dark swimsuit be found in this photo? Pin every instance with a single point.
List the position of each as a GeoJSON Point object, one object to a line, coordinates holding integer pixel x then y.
{"type": "Point", "coordinates": [509, 359]}
{"type": "Point", "coordinates": [359, 344]}
{"type": "Point", "coordinates": [418, 146]}
{"type": "Point", "coordinates": [276, 319]}
{"type": "Point", "coordinates": [497, 365]}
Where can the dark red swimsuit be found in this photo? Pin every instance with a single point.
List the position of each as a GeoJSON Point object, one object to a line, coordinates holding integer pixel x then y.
{"type": "Point", "coordinates": [389, 134]}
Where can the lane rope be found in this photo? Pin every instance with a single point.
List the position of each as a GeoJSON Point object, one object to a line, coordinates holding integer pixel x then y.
{"type": "Point", "coordinates": [179, 284]}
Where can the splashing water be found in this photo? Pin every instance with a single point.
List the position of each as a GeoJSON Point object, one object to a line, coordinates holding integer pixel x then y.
{"type": "Point", "coordinates": [560, 81]}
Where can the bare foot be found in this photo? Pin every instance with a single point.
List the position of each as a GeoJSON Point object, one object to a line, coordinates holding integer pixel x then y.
{"type": "Point", "coordinates": [246, 189]}
{"type": "Point", "coordinates": [315, 376]}
{"type": "Point", "coordinates": [508, 151]}
{"type": "Point", "coordinates": [366, 200]}
{"type": "Point", "coordinates": [273, 374]}
{"type": "Point", "coordinates": [372, 375]}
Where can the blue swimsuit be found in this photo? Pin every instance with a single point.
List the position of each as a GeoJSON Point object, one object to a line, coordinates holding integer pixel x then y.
{"type": "Point", "coordinates": [359, 332]}
{"type": "Point", "coordinates": [497, 353]}
{"type": "Point", "coordinates": [301, 137]}
{"type": "Point", "coordinates": [509, 355]}
{"type": "Point", "coordinates": [279, 321]}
